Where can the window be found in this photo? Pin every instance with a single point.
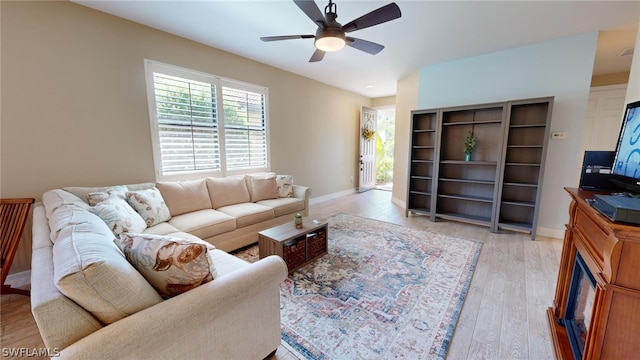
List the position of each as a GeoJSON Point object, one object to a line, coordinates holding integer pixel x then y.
{"type": "Point", "coordinates": [205, 125]}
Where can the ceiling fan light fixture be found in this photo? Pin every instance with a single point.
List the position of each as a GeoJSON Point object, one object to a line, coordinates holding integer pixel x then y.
{"type": "Point", "coordinates": [330, 41]}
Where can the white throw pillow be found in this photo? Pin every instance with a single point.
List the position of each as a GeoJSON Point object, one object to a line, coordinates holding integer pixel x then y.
{"type": "Point", "coordinates": [119, 216]}
{"type": "Point", "coordinates": [171, 265]}
{"type": "Point", "coordinates": [285, 185]}
{"type": "Point", "coordinates": [150, 205]}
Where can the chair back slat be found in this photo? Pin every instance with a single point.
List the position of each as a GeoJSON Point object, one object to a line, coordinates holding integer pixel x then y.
{"type": "Point", "coordinates": [13, 217]}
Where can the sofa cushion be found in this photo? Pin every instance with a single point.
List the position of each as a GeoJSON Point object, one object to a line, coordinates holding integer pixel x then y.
{"type": "Point", "coordinates": [227, 263]}
{"type": "Point", "coordinates": [54, 199]}
{"type": "Point", "coordinates": [184, 196]}
{"type": "Point", "coordinates": [150, 205]}
{"type": "Point", "coordinates": [285, 185]}
{"type": "Point", "coordinates": [248, 213]}
{"type": "Point", "coordinates": [94, 198]}
{"type": "Point", "coordinates": [227, 191]}
{"type": "Point", "coordinates": [163, 228]}
{"type": "Point", "coordinates": [68, 215]}
{"type": "Point", "coordinates": [171, 265]}
{"type": "Point", "coordinates": [204, 223]}
{"type": "Point", "coordinates": [119, 216]}
{"type": "Point", "coordinates": [262, 187]}
{"type": "Point", "coordinates": [283, 206]}
{"type": "Point", "coordinates": [91, 270]}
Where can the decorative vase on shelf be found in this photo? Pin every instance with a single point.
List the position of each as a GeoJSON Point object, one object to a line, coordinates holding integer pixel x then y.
{"type": "Point", "coordinates": [469, 145]}
{"type": "Point", "coordinates": [297, 221]}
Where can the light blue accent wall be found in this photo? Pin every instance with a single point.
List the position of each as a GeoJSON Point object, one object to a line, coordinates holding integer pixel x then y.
{"type": "Point", "coordinates": [561, 68]}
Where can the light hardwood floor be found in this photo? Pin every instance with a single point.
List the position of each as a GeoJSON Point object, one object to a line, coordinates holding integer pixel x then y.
{"type": "Point", "coordinates": [503, 316]}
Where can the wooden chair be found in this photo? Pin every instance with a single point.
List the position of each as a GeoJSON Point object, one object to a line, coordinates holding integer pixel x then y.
{"type": "Point", "coordinates": [13, 217]}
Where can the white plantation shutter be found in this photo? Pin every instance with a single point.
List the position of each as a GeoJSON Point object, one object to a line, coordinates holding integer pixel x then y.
{"type": "Point", "coordinates": [245, 129]}
{"type": "Point", "coordinates": [187, 124]}
{"type": "Point", "coordinates": [201, 123]}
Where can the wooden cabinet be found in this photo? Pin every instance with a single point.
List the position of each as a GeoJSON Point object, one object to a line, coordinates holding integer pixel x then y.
{"type": "Point", "coordinates": [611, 253]}
{"type": "Point", "coordinates": [500, 186]}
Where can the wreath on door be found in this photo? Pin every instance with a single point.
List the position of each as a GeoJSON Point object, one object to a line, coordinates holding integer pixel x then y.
{"type": "Point", "coordinates": [367, 133]}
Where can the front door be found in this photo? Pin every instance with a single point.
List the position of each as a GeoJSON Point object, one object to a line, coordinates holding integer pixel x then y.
{"type": "Point", "coordinates": [368, 127]}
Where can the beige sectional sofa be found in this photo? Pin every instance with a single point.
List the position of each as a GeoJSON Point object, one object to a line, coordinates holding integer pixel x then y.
{"type": "Point", "coordinates": [91, 302]}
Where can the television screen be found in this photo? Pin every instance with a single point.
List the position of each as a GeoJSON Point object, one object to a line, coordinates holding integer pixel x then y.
{"type": "Point", "coordinates": [627, 158]}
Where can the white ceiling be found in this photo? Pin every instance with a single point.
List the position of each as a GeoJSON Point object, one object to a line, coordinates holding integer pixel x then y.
{"type": "Point", "coordinates": [428, 32]}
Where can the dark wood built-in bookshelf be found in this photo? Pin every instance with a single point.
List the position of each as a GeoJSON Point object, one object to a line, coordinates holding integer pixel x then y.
{"type": "Point", "coordinates": [524, 153]}
{"type": "Point", "coordinates": [500, 186]}
{"type": "Point", "coordinates": [421, 161]}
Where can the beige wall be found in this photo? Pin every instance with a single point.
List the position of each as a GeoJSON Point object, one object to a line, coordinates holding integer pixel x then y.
{"type": "Point", "coordinates": [633, 89]}
{"type": "Point", "coordinates": [74, 108]}
{"type": "Point", "coordinates": [406, 101]}
{"type": "Point", "coordinates": [384, 101]}
{"type": "Point", "coordinates": [610, 79]}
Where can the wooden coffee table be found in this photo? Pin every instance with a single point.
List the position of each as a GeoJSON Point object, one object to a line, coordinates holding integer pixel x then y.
{"type": "Point", "coordinates": [297, 247]}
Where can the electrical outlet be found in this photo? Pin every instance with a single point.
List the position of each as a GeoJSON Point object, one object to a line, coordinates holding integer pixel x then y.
{"type": "Point", "coordinates": [558, 135]}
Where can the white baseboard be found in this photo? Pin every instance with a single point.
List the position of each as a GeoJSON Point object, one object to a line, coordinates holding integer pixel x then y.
{"type": "Point", "coordinates": [19, 280]}
{"type": "Point", "coordinates": [399, 202]}
{"type": "Point", "coordinates": [323, 198]}
{"type": "Point", "coordinates": [548, 232]}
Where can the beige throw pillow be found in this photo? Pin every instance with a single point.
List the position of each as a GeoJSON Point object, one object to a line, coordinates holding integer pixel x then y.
{"type": "Point", "coordinates": [183, 197]}
{"type": "Point", "coordinates": [263, 188]}
{"type": "Point", "coordinates": [227, 191]}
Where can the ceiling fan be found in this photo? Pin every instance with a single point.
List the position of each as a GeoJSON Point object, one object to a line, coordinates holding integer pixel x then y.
{"type": "Point", "coordinates": [330, 35]}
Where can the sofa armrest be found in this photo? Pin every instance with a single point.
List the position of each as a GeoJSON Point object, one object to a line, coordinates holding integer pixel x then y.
{"type": "Point", "coordinates": [236, 316]}
{"type": "Point", "coordinates": [303, 192]}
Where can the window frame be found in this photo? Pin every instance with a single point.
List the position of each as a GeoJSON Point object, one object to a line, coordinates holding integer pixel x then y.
{"type": "Point", "coordinates": [152, 66]}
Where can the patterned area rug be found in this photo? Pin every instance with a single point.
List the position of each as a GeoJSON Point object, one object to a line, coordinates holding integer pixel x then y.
{"type": "Point", "coordinates": [383, 291]}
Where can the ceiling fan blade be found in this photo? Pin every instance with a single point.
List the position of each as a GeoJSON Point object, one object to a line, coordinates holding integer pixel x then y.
{"type": "Point", "coordinates": [364, 45]}
{"type": "Point", "coordinates": [317, 56]}
{"type": "Point", "coordinates": [310, 8]}
{"type": "Point", "coordinates": [386, 13]}
{"type": "Point", "coordinates": [286, 37]}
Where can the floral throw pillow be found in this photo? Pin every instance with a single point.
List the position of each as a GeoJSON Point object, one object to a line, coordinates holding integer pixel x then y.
{"type": "Point", "coordinates": [285, 185]}
{"type": "Point", "coordinates": [119, 216]}
{"type": "Point", "coordinates": [171, 265]}
{"type": "Point", "coordinates": [150, 205]}
{"type": "Point", "coordinates": [95, 197]}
